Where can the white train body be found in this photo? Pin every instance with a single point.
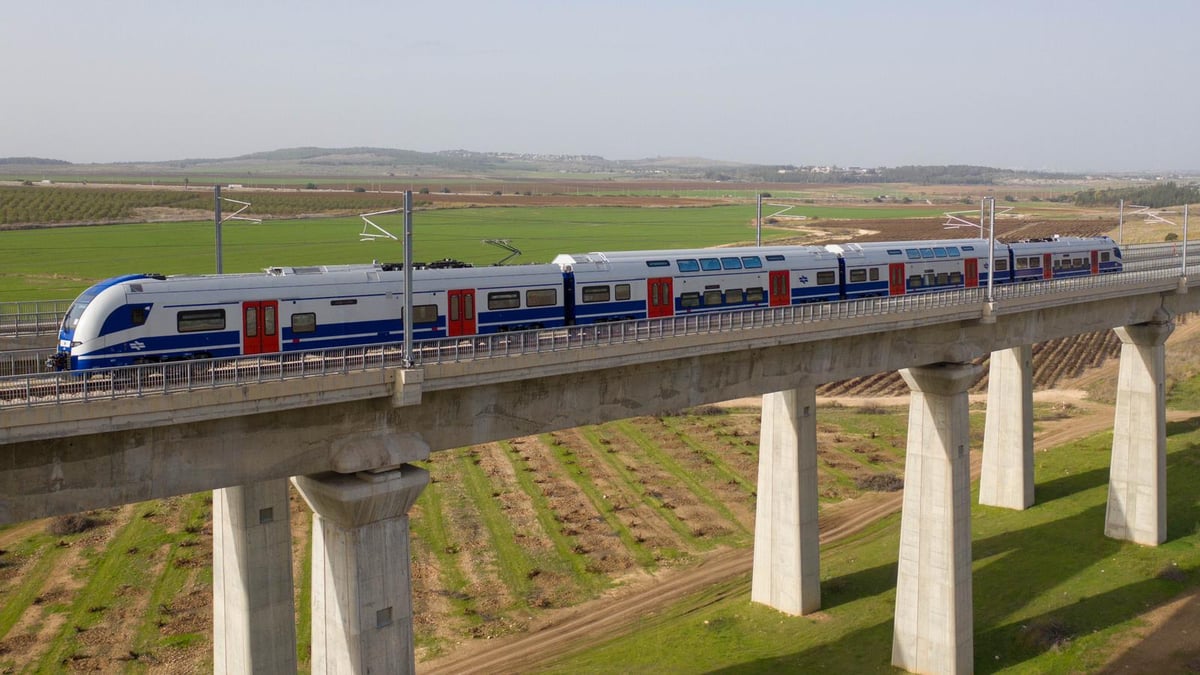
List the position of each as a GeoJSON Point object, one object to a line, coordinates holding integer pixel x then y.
{"type": "Point", "coordinates": [143, 318]}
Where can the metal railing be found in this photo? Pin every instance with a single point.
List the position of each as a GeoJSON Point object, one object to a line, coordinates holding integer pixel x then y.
{"type": "Point", "coordinates": [38, 388]}
{"type": "Point", "coordinates": [38, 317]}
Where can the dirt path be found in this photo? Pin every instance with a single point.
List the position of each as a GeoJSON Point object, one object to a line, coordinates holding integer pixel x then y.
{"type": "Point", "coordinates": [574, 629]}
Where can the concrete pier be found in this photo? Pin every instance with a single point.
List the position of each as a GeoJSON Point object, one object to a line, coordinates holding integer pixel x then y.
{"type": "Point", "coordinates": [934, 624]}
{"type": "Point", "coordinates": [1137, 485]}
{"type": "Point", "coordinates": [786, 551]}
{"type": "Point", "coordinates": [361, 576]}
{"type": "Point", "coordinates": [254, 618]}
{"type": "Point", "coordinates": [1006, 476]}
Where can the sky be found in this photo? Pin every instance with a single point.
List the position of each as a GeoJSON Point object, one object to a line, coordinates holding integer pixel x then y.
{"type": "Point", "coordinates": [1068, 85]}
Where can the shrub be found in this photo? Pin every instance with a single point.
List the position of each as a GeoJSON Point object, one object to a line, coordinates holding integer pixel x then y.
{"type": "Point", "coordinates": [71, 524]}
{"type": "Point", "coordinates": [1171, 236]}
{"type": "Point", "coordinates": [881, 482]}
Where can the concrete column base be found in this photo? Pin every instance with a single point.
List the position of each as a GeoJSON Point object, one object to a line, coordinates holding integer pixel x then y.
{"type": "Point", "coordinates": [254, 618]}
{"type": "Point", "coordinates": [1137, 484]}
{"type": "Point", "coordinates": [786, 550]}
{"type": "Point", "coordinates": [1006, 477]}
{"type": "Point", "coordinates": [361, 579]}
{"type": "Point", "coordinates": [934, 624]}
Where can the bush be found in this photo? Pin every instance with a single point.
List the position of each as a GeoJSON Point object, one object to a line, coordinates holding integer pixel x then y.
{"type": "Point", "coordinates": [72, 524]}
{"type": "Point", "coordinates": [310, 186]}
{"type": "Point", "coordinates": [360, 189]}
{"type": "Point", "coordinates": [1171, 236]}
{"type": "Point", "coordinates": [881, 482]}
{"type": "Point", "coordinates": [423, 191]}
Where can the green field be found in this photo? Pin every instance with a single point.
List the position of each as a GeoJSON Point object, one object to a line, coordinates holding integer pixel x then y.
{"type": "Point", "coordinates": [60, 262]}
{"type": "Point", "coordinates": [1051, 592]}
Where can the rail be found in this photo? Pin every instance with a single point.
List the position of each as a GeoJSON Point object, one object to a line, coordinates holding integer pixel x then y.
{"type": "Point", "coordinates": [35, 388]}
{"type": "Point", "coordinates": [37, 317]}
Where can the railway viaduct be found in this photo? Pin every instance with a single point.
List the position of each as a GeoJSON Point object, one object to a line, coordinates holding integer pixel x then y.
{"type": "Point", "coordinates": [347, 440]}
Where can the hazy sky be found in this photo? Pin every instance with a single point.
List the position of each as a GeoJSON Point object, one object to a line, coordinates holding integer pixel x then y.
{"type": "Point", "coordinates": [1047, 84]}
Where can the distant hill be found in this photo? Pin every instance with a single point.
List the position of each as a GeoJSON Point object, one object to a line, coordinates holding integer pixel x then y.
{"type": "Point", "coordinates": [377, 163]}
{"type": "Point", "coordinates": [33, 161]}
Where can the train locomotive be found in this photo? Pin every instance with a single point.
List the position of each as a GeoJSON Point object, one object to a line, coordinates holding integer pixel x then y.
{"type": "Point", "coordinates": [148, 318]}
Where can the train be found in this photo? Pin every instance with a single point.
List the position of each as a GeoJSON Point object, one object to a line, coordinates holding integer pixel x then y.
{"type": "Point", "coordinates": [149, 318]}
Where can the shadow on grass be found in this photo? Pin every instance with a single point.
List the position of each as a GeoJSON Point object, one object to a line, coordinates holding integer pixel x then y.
{"type": "Point", "coordinates": [1031, 565]}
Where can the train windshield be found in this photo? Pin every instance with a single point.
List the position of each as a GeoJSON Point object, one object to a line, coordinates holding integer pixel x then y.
{"type": "Point", "coordinates": [79, 305]}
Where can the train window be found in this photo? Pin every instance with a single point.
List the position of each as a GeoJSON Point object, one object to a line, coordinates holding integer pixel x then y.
{"type": "Point", "coordinates": [138, 316]}
{"type": "Point", "coordinates": [304, 323]}
{"type": "Point", "coordinates": [344, 301]}
{"type": "Point", "coordinates": [251, 325]}
{"type": "Point", "coordinates": [622, 291]}
{"type": "Point", "coordinates": [595, 293]}
{"type": "Point", "coordinates": [939, 251]}
{"type": "Point", "coordinates": [1001, 265]}
{"type": "Point", "coordinates": [1022, 263]}
{"type": "Point", "coordinates": [710, 264]}
{"type": "Point", "coordinates": [858, 275]}
{"type": "Point", "coordinates": [712, 298]}
{"type": "Point", "coordinates": [200, 320]}
{"type": "Point", "coordinates": [913, 253]}
{"type": "Point", "coordinates": [1057, 265]}
{"type": "Point", "coordinates": [688, 265]}
{"type": "Point", "coordinates": [731, 263]}
{"type": "Point", "coordinates": [1080, 262]}
{"type": "Point", "coordinates": [1104, 256]}
{"type": "Point", "coordinates": [956, 278]}
{"type": "Point", "coordinates": [826, 278]}
{"type": "Point", "coordinates": [775, 257]}
{"type": "Point", "coordinates": [754, 295]}
{"type": "Point", "coordinates": [541, 297]}
{"type": "Point", "coordinates": [455, 311]}
{"type": "Point", "coordinates": [751, 262]}
{"type": "Point", "coordinates": [689, 300]}
{"type": "Point", "coordinates": [927, 252]}
{"type": "Point", "coordinates": [268, 320]}
{"type": "Point", "coordinates": [425, 314]}
{"type": "Point", "coordinates": [504, 300]}
{"type": "Point", "coordinates": [874, 274]}
{"type": "Point", "coordinates": [658, 263]}
{"type": "Point", "coordinates": [895, 251]}
{"type": "Point", "coordinates": [734, 296]}
{"type": "Point", "coordinates": [942, 279]}
{"type": "Point", "coordinates": [968, 248]}
{"type": "Point", "coordinates": [914, 281]}
{"type": "Point", "coordinates": [953, 251]}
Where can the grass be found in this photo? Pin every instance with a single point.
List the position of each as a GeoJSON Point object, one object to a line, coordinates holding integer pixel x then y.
{"type": "Point", "coordinates": [1048, 569]}
{"type": "Point", "coordinates": [59, 263]}
{"type": "Point", "coordinates": [636, 433]}
{"type": "Point", "coordinates": [644, 556]}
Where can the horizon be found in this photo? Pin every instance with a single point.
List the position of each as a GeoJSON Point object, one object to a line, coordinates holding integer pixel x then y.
{"type": "Point", "coordinates": [1065, 88]}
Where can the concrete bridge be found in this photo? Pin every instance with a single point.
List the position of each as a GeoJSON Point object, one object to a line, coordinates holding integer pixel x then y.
{"type": "Point", "coordinates": [346, 439]}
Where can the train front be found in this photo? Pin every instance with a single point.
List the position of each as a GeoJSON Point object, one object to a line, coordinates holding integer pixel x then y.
{"type": "Point", "coordinates": [81, 327]}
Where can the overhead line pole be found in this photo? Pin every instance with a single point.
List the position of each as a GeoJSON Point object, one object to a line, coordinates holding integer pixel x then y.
{"type": "Point", "coordinates": [217, 216]}
{"type": "Point", "coordinates": [408, 280]}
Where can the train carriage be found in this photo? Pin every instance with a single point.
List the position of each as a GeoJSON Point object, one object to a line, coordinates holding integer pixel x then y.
{"type": "Point", "coordinates": [1063, 257]}
{"type": "Point", "coordinates": [907, 267]}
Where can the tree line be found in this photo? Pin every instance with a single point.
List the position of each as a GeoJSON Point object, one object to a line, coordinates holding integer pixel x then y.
{"type": "Point", "coordinates": [1155, 196]}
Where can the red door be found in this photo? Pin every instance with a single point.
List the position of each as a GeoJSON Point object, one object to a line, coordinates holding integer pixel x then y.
{"type": "Point", "coordinates": [1047, 270]}
{"type": "Point", "coordinates": [260, 327]}
{"type": "Point", "coordinates": [1095, 262]}
{"type": "Point", "coordinates": [896, 279]}
{"type": "Point", "coordinates": [780, 291]}
{"type": "Point", "coordinates": [460, 315]}
{"type": "Point", "coordinates": [971, 272]}
{"type": "Point", "coordinates": [660, 300]}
